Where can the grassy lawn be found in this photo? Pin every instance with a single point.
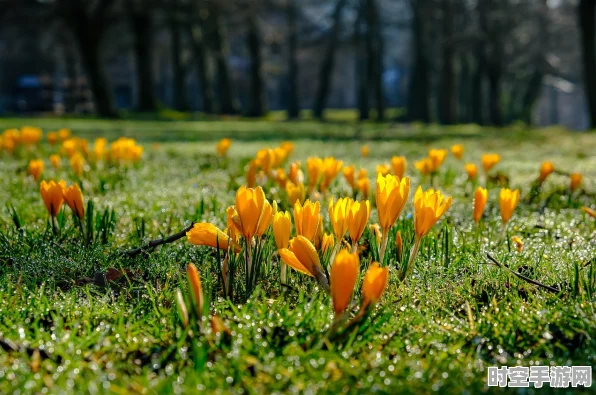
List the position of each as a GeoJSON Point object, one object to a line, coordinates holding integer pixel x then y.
{"type": "Point", "coordinates": [72, 328]}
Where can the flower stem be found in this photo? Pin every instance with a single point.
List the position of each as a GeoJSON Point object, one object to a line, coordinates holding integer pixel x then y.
{"type": "Point", "coordinates": [503, 233]}
{"type": "Point", "coordinates": [384, 240]}
{"type": "Point", "coordinates": [413, 253]}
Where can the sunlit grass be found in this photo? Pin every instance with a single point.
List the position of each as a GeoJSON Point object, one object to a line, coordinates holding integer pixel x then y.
{"type": "Point", "coordinates": [455, 316]}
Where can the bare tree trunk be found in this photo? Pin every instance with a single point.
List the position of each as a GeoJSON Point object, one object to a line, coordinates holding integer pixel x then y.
{"type": "Point", "coordinates": [142, 32]}
{"type": "Point", "coordinates": [215, 36]}
{"type": "Point", "coordinates": [328, 62]}
{"type": "Point", "coordinates": [477, 98]}
{"type": "Point", "coordinates": [178, 69]}
{"type": "Point", "coordinates": [88, 29]}
{"type": "Point", "coordinates": [448, 89]}
{"type": "Point", "coordinates": [70, 87]}
{"type": "Point", "coordinates": [200, 55]}
{"type": "Point", "coordinates": [293, 100]}
{"type": "Point", "coordinates": [464, 91]}
{"type": "Point", "coordinates": [586, 14]}
{"type": "Point", "coordinates": [419, 88]}
{"type": "Point", "coordinates": [375, 55]}
{"type": "Point", "coordinates": [257, 95]}
{"type": "Point", "coordinates": [494, 93]}
{"type": "Point", "coordinates": [493, 62]}
{"type": "Point", "coordinates": [361, 63]}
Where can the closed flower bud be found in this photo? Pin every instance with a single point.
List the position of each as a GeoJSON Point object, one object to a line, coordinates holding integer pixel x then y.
{"type": "Point", "coordinates": [338, 215]}
{"type": "Point", "coordinates": [343, 276]}
{"type": "Point", "coordinates": [472, 171]}
{"type": "Point", "coordinates": [546, 169]}
{"type": "Point", "coordinates": [458, 151]}
{"type": "Point", "coordinates": [207, 234]}
{"type": "Point", "coordinates": [35, 168]}
{"type": "Point", "coordinates": [358, 215]}
{"type": "Point", "coordinates": [73, 197]}
{"type": "Point", "coordinates": [306, 219]}
{"type": "Point", "coordinates": [223, 146]}
{"type": "Point", "coordinates": [489, 161]}
{"type": "Point", "coordinates": [374, 284]}
{"type": "Point", "coordinates": [399, 165]}
{"type": "Point", "coordinates": [508, 201]}
{"type": "Point", "coordinates": [392, 194]}
{"type": "Point", "coordinates": [480, 198]}
{"type": "Point", "coordinates": [282, 226]}
{"type": "Point", "coordinates": [575, 180]}
{"type": "Point", "coordinates": [250, 206]}
{"type": "Point", "coordinates": [51, 194]}
{"type": "Point", "coordinates": [196, 288]}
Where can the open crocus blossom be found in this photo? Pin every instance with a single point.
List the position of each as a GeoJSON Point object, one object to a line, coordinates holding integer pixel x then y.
{"type": "Point", "coordinates": [436, 156]}
{"type": "Point", "coordinates": [282, 226]}
{"type": "Point", "coordinates": [35, 168]}
{"type": "Point", "coordinates": [338, 215]}
{"type": "Point", "coordinates": [392, 195]}
{"type": "Point", "coordinates": [314, 168]}
{"type": "Point", "coordinates": [73, 197]}
{"type": "Point", "coordinates": [358, 215]}
{"type": "Point", "coordinates": [458, 151]}
{"type": "Point", "coordinates": [343, 276]}
{"type": "Point", "coordinates": [350, 176]}
{"type": "Point", "coordinates": [489, 161]}
{"type": "Point", "coordinates": [472, 171]}
{"type": "Point", "coordinates": [250, 204]}
{"type": "Point", "coordinates": [508, 200]}
{"type": "Point", "coordinates": [265, 160]}
{"type": "Point", "coordinates": [363, 185]}
{"type": "Point", "coordinates": [480, 198]}
{"type": "Point", "coordinates": [296, 192]}
{"type": "Point", "coordinates": [429, 207]}
{"type": "Point", "coordinates": [223, 146]}
{"type": "Point", "coordinates": [269, 210]}
{"type": "Point", "coordinates": [206, 234]}
{"type": "Point", "coordinates": [51, 194]}
{"type": "Point", "coordinates": [302, 256]}
{"type": "Point", "coordinates": [575, 180]}
{"type": "Point", "coordinates": [546, 169]}
{"type": "Point", "coordinates": [424, 166]}
{"type": "Point", "coordinates": [373, 285]}
{"type": "Point", "coordinates": [399, 165]}
{"type": "Point", "coordinates": [295, 174]}
{"type": "Point", "coordinates": [306, 219]}
{"type": "Point", "coordinates": [331, 168]}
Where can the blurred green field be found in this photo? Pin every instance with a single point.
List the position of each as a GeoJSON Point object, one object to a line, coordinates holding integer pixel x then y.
{"type": "Point", "coordinates": [455, 317]}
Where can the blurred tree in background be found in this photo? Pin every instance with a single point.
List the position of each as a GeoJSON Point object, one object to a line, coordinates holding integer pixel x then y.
{"type": "Point", "coordinates": [491, 62]}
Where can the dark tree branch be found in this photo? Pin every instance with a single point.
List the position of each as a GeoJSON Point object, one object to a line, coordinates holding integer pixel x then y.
{"type": "Point", "coordinates": [157, 242]}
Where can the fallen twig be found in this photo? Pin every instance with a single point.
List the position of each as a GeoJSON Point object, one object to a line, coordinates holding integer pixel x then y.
{"type": "Point", "coordinates": [528, 279]}
{"type": "Point", "coordinates": [157, 242]}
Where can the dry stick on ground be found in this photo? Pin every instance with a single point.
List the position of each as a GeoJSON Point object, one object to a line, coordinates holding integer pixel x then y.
{"type": "Point", "coordinates": [157, 242]}
{"type": "Point", "coordinates": [528, 279]}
